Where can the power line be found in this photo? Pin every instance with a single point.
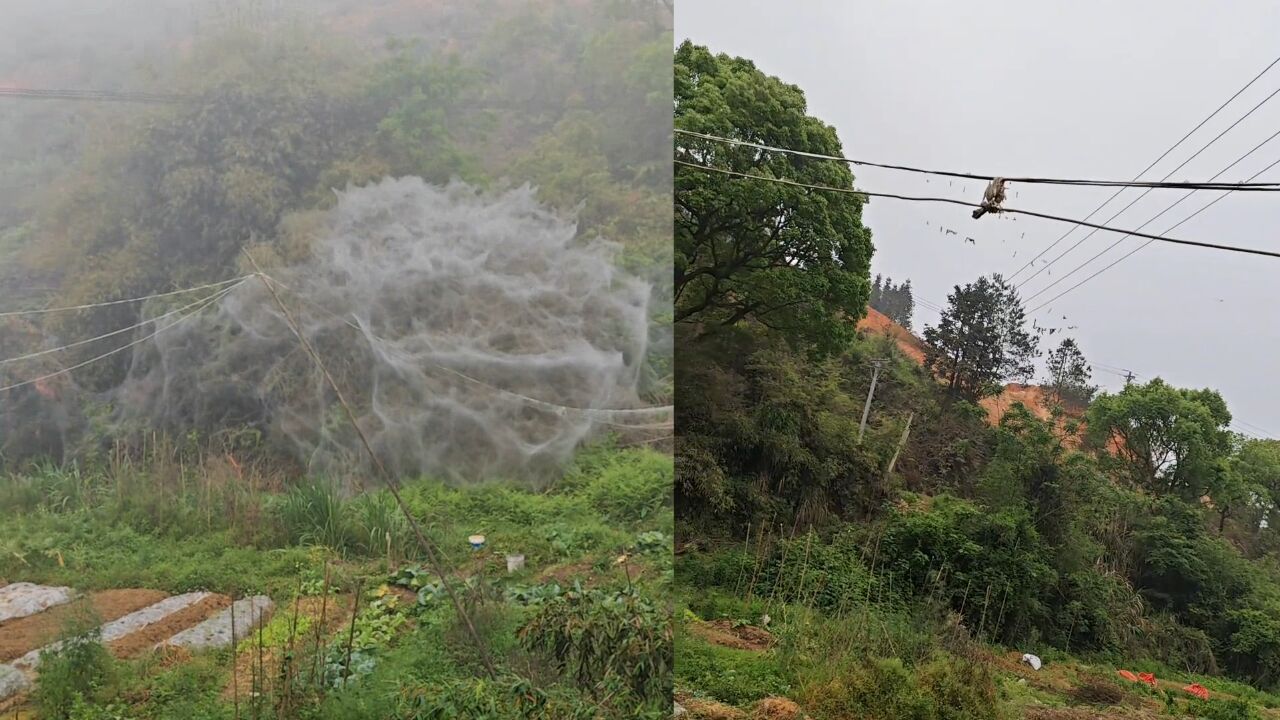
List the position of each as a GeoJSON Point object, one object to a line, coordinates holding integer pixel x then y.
{"type": "Point", "coordinates": [69, 308]}
{"type": "Point", "coordinates": [209, 301]}
{"type": "Point", "coordinates": [30, 356]}
{"type": "Point", "coordinates": [1155, 162]}
{"type": "Point", "coordinates": [1238, 160]}
{"type": "Point", "coordinates": [1264, 187]}
{"type": "Point", "coordinates": [1120, 259]}
{"type": "Point", "coordinates": [94, 95]}
{"type": "Point", "coordinates": [953, 201]}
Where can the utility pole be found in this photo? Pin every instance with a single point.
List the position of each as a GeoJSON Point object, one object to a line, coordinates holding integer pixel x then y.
{"type": "Point", "coordinates": [876, 366]}
{"type": "Point", "coordinates": [901, 444]}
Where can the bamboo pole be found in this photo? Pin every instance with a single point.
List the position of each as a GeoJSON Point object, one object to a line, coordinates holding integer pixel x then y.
{"type": "Point", "coordinates": [392, 484]}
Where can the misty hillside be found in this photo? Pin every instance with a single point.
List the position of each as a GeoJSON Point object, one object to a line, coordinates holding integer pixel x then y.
{"type": "Point", "coordinates": [283, 105]}
{"type": "Point", "coordinates": [335, 359]}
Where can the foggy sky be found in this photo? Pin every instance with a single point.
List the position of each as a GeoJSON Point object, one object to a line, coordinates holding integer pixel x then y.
{"type": "Point", "coordinates": [1060, 89]}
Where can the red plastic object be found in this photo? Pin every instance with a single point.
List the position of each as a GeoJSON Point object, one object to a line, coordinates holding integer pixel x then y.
{"type": "Point", "coordinates": [1148, 678]}
{"type": "Point", "coordinates": [1198, 690]}
{"type": "Point", "coordinates": [1128, 676]}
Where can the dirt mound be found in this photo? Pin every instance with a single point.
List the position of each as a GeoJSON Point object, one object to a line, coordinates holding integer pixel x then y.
{"type": "Point", "coordinates": [1035, 398]}
{"type": "Point", "coordinates": [776, 708]}
{"type": "Point", "coordinates": [23, 635]}
{"type": "Point", "coordinates": [725, 634]}
{"type": "Point", "coordinates": [709, 710]}
{"type": "Point", "coordinates": [151, 635]}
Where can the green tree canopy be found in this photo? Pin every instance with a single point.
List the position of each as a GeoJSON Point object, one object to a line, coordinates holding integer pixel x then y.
{"type": "Point", "coordinates": [981, 341]}
{"type": "Point", "coordinates": [792, 259]}
{"type": "Point", "coordinates": [1168, 439]}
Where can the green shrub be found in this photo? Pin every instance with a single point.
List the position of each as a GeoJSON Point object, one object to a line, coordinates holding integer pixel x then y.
{"type": "Point", "coordinates": [73, 674]}
{"type": "Point", "coordinates": [630, 488]}
{"type": "Point", "coordinates": [600, 636]}
{"type": "Point", "coordinates": [1215, 709]}
{"type": "Point", "coordinates": [946, 688]}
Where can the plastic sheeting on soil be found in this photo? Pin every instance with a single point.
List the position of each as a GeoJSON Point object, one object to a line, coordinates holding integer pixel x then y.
{"type": "Point", "coordinates": [216, 631]}
{"type": "Point", "coordinates": [12, 682]}
{"type": "Point", "coordinates": [22, 599]}
{"type": "Point", "coordinates": [17, 676]}
{"type": "Point", "coordinates": [149, 615]}
{"type": "Point", "coordinates": [117, 629]}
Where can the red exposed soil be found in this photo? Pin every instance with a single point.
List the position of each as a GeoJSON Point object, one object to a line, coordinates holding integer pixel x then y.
{"type": "Point", "coordinates": [20, 636]}
{"type": "Point", "coordinates": [1035, 398]}
{"type": "Point", "coordinates": [149, 636]}
{"type": "Point", "coordinates": [878, 323]}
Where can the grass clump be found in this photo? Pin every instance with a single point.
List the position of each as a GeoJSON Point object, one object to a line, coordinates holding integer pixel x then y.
{"type": "Point", "coordinates": [737, 677]}
{"type": "Point", "coordinates": [945, 688]}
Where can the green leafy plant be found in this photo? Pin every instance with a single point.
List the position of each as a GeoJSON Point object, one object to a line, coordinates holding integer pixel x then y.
{"type": "Point", "coordinates": [600, 636]}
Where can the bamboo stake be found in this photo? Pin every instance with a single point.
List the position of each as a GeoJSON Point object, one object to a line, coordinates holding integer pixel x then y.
{"type": "Point", "coordinates": [324, 606]}
{"type": "Point", "coordinates": [351, 634]}
{"type": "Point", "coordinates": [235, 676]}
{"type": "Point", "coordinates": [392, 485]}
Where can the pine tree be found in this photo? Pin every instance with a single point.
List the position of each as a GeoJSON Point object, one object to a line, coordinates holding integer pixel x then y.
{"type": "Point", "coordinates": [1069, 374]}
{"type": "Point", "coordinates": [981, 341]}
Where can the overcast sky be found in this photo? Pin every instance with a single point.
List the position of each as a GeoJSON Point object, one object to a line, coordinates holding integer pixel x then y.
{"type": "Point", "coordinates": [1080, 89]}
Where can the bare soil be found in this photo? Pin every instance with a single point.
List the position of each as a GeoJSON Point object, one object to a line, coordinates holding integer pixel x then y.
{"type": "Point", "coordinates": [145, 639]}
{"type": "Point", "coordinates": [724, 634]}
{"type": "Point", "coordinates": [23, 635]}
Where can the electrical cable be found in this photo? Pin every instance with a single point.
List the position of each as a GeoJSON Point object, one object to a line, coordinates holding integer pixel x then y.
{"type": "Point", "coordinates": [1174, 204]}
{"type": "Point", "coordinates": [45, 311]}
{"type": "Point", "coordinates": [1015, 211]}
{"type": "Point", "coordinates": [1155, 162]}
{"type": "Point", "coordinates": [1120, 259]}
{"type": "Point", "coordinates": [1258, 187]}
{"type": "Point", "coordinates": [212, 299]}
{"type": "Point", "coordinates": [30, 356]}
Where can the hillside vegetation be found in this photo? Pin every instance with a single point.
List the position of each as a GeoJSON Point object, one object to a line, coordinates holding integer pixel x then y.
{"type": "Point", "coordinates": [904, 572]}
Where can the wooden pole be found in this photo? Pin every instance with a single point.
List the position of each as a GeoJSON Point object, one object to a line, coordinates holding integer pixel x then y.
{"type": "Point", "coordinates": [901, 444]}
{"type": "Point", "coordinates": [876, 365]}
{"type": "Point", "coordinates": [235, 676]}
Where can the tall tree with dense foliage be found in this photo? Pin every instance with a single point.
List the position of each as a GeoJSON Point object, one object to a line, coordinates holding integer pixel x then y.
{"type": "Point", "coordinates": [1069, 373]}
{"type": "Point", "coordinates": [791, 259]}
{"type": "Point", "coordinates": [981, 340]}
{"type": "Point", "coordinates": [1167, 439]}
